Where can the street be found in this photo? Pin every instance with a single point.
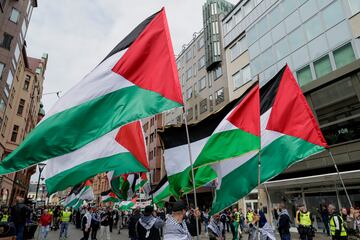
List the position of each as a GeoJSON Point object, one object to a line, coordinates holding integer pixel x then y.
{"type": "Point", "coordinates": [76, 234]}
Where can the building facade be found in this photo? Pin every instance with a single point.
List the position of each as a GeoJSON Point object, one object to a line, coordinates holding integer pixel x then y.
{"type": "Point", "coordinates": [320, 41]}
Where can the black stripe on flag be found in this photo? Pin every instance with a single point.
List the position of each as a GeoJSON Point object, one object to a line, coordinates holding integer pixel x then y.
{"type": "Point", "coordinates": [160, 184]}
{"type": "Point", "coordinates": [105, 193]}
{"type": "Point", "coordinates": [269, 90]}
{"type": "Point", "coordinates": [131, 37]}
{"type": "Point", "coordinates": [77, 188]}
{"type": "Point", "coordinates": [174, 136]}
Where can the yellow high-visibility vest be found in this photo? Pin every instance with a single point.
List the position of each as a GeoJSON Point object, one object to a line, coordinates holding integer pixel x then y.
{"type": "Point", "coordinates": [5, 218]}
{"type": "Point", "coordinates": [237, 216]}
{"type": "Point", "coordinates": [305, 219]}
{"type": "Point", "coordinates": [65, 216]}
{"type": "Point", "coordinates": [343, 232]}
{"type": "Point", "coordinates": [250, 216]}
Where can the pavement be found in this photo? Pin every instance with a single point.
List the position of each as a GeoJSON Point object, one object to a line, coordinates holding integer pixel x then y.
{"type": "Point", "coordinates": [76, 234]}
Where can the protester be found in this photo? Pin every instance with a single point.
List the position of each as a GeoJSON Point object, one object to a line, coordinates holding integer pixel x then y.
{"type": "Point", "coordinates": [175, 226]}
{"type": "Point", "coordinates": [119, 225]}
{"type": "Point", "coordinates": [134, 218]}
{"type": "Point", "coordinates": [325, 218]}
{"type": "Point", "coordinates": [86, 224]}
{"type": "Point", "coordinates": [45, 223]}
{"type": "Point", "coordinates": [284, 223]}
{"type": "Point", "coordinates": [95, 223]}
{"type": "Point", "coordinates": [65, 217]}
{"type": "Point", "coordinates": [266, 231]}
{"type": "Point", "coordinates": [19, 215]}
{"type": "Point", "coordinates": [206, 218]}
{"type": "Point", "coordinates": [216, 228]}
{"type": "Point", "coordinates": [148, 227]}
{"type": "Point", "coordinates": [223, 220]}
{"type": "Point", "coordinates": [191, 222]}
{"type": "Point", "coordinates": [338, 229]}
{"type": "Point", "coordinates": [104, 224]}
{"type": "Point", "coordinates": [353, 223]}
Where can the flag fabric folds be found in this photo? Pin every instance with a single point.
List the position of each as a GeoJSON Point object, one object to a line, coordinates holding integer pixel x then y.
{"type": "Point", "coordinates": [289, 134]}
{"type": "Point", "coordinates": [161, 192]}
{"type": "Point", "coordinates": [109, 196]}
{"type": "Point", "coordinates": [78, 194]}
{"type": "Point", "coordinates": [176, 156]}
{"type": "Point", "coordinates": [137, 79]}
{"type": "Point", "coordinates": [127, 205]}
{"type": "Point", "coordinates": [123, 148]}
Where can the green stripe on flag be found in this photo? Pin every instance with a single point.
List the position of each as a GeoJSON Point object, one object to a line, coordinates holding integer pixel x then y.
{"type": "Point", "coordinates": [88, 169]}
{"type": "Point", "coordinates": [73, 128]}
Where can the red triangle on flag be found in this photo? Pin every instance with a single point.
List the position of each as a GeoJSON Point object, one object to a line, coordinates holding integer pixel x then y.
{"type": "Point", "coordinates": [291, 114]}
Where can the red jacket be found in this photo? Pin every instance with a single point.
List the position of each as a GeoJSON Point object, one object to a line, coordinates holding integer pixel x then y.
{"type": "Point", "coordinates": [45, 219]}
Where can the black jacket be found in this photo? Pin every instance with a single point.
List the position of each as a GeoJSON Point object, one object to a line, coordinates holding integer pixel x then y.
{"type": "Point", "coordinates": [132, 225]}
{"type": "Point", "coordinates": [284, 224]}
{"type": "Point", "coordinates": [19, 213]}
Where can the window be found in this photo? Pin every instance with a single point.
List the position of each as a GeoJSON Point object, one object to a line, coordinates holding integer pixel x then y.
{"type": "Point", "coordinates": [201, 62]}
{"type": "Point", "coordinates": [239, 15]}
{"type": "Point", "coordinates": [21, 107]}
{"type": "Point", "coordinates": [219, 96]}
{"type": "Point", "coordinates": [265, 41]}
{"type": "Point", "coordinates": [210, 80]}
{"type": "Point", "coordinates": [24, 29]}
{"type": "Point", "coordinates": [304, 75]}
{"type": "Point", "coordinates": [151, 155]}
{"type": "Point", "coordinates": [151, 137]}
{"type": "Point", "coordinates": [203, 106]}
{"type": "Point", "coordinates": [2, 105]}
{"type": "Point", "coordinates": [6, 92]}
{"type": "Point", "coordinates": [189, 114]}
{"type": "Point", "coordinates": [218, 72]}
{"type": "Point", "coordinates": [189, 55]}
{"type": "Point", "coordinates": [189, 93]}
{"type": "Point", "coordinates": [282, 49]}
{"type": "Point", "coordinates": [188, 73]}
{"type": "Point", "coordinates": [344, 55]}
{"type": "Point", "coordinates": [195, 89]}
{"type": "Point", "coordinates": [211, 104]}
{"type": "Point", "coordinates": [194, 69]}
{"type": "Point", "coordinates": [17, 54]}
{"type": "Point", "coordinates": [196, 111]}
{"type": "Point", "coordinates": [4, 125]}
{"type": "Point", "coordinates": [202, 83]}
{"type": "Point", "coordinates": [313, 27]}
{"type": "Point", "coordinates": [338, 34]}
{"type": "Point", "coordinates": [213, 7]}
{"type": "Point", "coordinates": [354, 6]}
{"type": "Point", "coordinates": [10, 79]}
{"type": "Point", "coordinates": [215, 27]}
{"type": "Point", "coordinates": [14, 16]}
{"type": "Point", "coordinates": [201, 43]}
{"type": "Point", "coordinates": [238, 48]}
{"type": "Point", "coordinates": [322, 66]}
{"type": "Point", "coordinates": [14, 133]}
{"type": "Point", "coordinates": [297, 39]}
{"type": "Point", "coordinates": [333, 14]}
{"type": "Point", "coordinates": [216, 48]}
{"type": "Point", "coordinates": [2, 66]}
{"type": "Point", "coordinates": [318, 47]}
{"type": "Point", "coordinates": [27, 82]}
{"type": "Point", "coordinates": [308, 10]}
{"type": "Point", "coordinates": [278, 32]}
{"type": "Point", "coordinates": [6, 42]}
{"type": "Point", "coordinates": [152, 121]}
{"type": "Point", "coordinates": [246, 73]}
{"type": "Point", "coordinates": [237, 79]}
{"type": "Point", "coordinates": [241, 77]}
{"type": "Point", "coordinates": [292, 21]}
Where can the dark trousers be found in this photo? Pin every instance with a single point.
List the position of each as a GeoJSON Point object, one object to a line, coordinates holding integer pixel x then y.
{"type": "Point", "coordinates": [339, 238]}
{"type": "Point", "coordinates": [86, 234]}
{"type": "Point", "coordinates": [285, 236]}
{"type": "Point", "coordinates": [94, 232]}
{"type": "Point", "coordinates": [20, 231]}
{"type": "Point", "coordinates": [305, 233]}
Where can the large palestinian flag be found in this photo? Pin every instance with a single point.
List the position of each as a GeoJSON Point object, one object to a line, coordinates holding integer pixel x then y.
{"type": "Point", "coordinates": [127, 205]}
{"type": "Point", "coordinates": [176, 153]}
{"type": "Point", "coordinates": [123, 149]}
{"type": "Point", "coordinates": [289, 134]}
{"type": "Point", "coordinates": [137, 79]}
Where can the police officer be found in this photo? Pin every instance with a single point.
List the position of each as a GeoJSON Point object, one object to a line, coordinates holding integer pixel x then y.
{"type": "Point", "coordinates": [338, 229]}
{"type": "Point", "coordinates": [249, 215]}
{"type": "Point", "coordinates": [4, 215]}
{"type": "Point", "coordinates": [305, 219]}
{"type": "Point", "coordinates": [65, 217]}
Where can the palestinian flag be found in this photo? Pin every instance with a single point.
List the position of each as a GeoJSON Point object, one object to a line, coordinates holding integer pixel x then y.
{"type": "Point", "coordinates": [123, 148]}
{"type": "Point", "coordinates": [127, 205]}
{"type": "Point", "coordinates": [176, 155]}
{"type": "Point", "coordinates": [79, 193]}
{"type": "Point", "coordinates": [289, 134]}
{"type": "Point", "coordinates": [109, 196]}
{"type": "Point", "coordinates": [137, 79]}
{"type": "Point", "coordinates": [161, 192]}
{"type": "Point", "coordinates": [116, 181]}
{"type": "Point", "coordinates": [141, 181]}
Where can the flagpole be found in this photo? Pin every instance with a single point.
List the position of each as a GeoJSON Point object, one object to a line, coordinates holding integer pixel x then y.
{"type": "Point", "coordinates": [339, 175]}
{"type": "Point", "coordinates": [192, 169]}
{"type": "Point", "coordinates": [259, 172]}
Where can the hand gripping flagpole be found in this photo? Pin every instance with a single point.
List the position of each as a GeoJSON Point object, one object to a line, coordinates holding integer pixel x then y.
{"type": "Point", "coordinates": [341, 180]}
{"type": "Point", "coordinates": [192, 170]}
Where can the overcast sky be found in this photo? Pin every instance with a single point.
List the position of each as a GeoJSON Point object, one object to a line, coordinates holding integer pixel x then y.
{"type": "Point", "coordinates": [77, 35]}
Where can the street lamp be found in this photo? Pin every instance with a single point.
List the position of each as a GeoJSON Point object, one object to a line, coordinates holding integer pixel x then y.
{"type": "Point", "coordinates": [41, 168]}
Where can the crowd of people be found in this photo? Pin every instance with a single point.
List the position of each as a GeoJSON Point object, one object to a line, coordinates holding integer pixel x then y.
{"type": "Point", "coordinates": [177, 221]}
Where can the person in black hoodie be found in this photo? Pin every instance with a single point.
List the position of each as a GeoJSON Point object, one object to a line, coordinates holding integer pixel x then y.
{"type": "Point", "coordinates": [191, 222]}
{"type": "Point", "coordinates": [132, 223]}
{"type": "Point", "coordinates": [284, 223]}
{"type": "Point", "coordinates": [19, 214]}
{"type": "Point", "coordinates": [148, 227]}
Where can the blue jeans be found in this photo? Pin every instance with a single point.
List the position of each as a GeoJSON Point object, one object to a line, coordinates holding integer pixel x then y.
{"type": "Point", "coordinates": [286, 236]}
{"type": "Point", "coordinates": [64, 229]}
{"type": "Point", "coordinates": [20, 231]}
